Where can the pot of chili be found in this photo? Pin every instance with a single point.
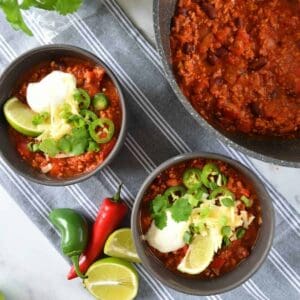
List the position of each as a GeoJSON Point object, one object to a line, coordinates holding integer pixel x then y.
{"type": "Point", "coordinates": [63, 115]}
{"type": "Point", "coordinates": [202, 223]}
{"type": "Point", "coordinates": [234, 65]}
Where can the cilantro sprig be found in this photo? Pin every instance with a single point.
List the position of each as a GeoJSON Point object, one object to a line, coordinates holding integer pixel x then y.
{"type": "Point", "coordinates": [13, 10]}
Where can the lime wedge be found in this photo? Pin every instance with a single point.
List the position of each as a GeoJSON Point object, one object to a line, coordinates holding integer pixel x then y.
{"type": "Point", "coordinates": [120, 244]}
{"type": "Point", "coordinates": [199, 255]}
{"type": "Point", "coordinates": [20, 116]}
{"type": "Point", "coordinates": [112, 278]}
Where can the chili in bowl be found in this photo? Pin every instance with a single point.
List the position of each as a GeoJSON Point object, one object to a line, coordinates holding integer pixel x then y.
{"type": "Point", "coordinates": [63, 115]}
{"type": "Point", "coordinates": [202, 223]}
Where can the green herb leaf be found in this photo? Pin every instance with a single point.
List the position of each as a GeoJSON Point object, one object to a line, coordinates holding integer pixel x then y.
{"type": "Point", "coordinates": [33, 147]}
{"type": "Point", "coordinates": [93, 147]}
{"type": "Point", "coordinates": [160, 220]}
{"type": "Point", "coordinates": [187, 237]}
{"type": "Point", "coordinates": [228, 202]}
{"type": "Point", "coordinates": [181, 210]}
{"type": "Point", "coordinates": [158, 204]}
{"type": "Point", "coordinates": [240, 232]}
{"type": "Point", "coordinates": [226, 241]}
{"type": "Point", "coordinates": [40, 118]}
{"type": "Point", "coordinates": [223, 220]}
{"type": "Point", "coordinates": [65, 7]}
{"type": "Point", "coordinates": [226, 231]}
{"type": "Point", "coordinates": [49, 146]}
{"type": "Point", "coordinates": [13, 15]}
{"type": "Point", "coordinates": [64, 144]}
{"type": "Point", "coordinates": [76, 120]}
{"type": "Point", "coordinates": [247, 201]}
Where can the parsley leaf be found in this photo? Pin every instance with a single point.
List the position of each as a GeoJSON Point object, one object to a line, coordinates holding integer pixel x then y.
{"type": "Point", "coordinates": [49, 146]}
{"type": "Point", "coordinates": [181, 210]}
{"type": "Point", "coordinates": [40, 118]}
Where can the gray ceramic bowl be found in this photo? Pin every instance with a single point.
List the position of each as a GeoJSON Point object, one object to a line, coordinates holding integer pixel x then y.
{"type": "Point", "coordinates": [275, 150]}
{"type": "Point", "coordinates": [229, 280]}
{"type": "Point", "coordinates": [8, 81]}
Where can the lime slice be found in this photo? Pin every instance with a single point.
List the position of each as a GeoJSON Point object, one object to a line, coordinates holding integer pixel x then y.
{"type": "Point", "coordinates": [112, 278]}
{"type": "Point", "coordinates": [120, 244]}
{"type": "Point", "coordinates": [20, 116]}
{"type": "Point", "coordinates": [199, 255]}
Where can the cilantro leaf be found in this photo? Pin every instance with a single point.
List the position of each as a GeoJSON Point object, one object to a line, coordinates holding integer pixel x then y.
{"type": "Point", "coordinates": [65, 7]}
{"type": "Point", "coordinates": [64, 144]}
{"type": "Point", "coordinates": [93, 147]}
{"type": "Point", "coordinates": [12, 10]}
{"type": "Point", "coordinates": [40, 118]}
{"type": "Point", "coordinates": [158, 204]}
{"type": "Point", "coordinates": [160, 220]}
{"type": "Point", "coordinates": [181, 210]}
{"type": "Point", "coordinates": [13, 15]}
{"type": "Point", "coordinates": [49, 146]}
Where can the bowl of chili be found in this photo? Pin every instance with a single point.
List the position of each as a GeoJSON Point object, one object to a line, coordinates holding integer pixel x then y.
{"type": "Point", "coordinates": [202, 223]}
{"type": "Point", "coordinates": [235, 68]}
{"type": "Point", "coordinates": [65, 118]}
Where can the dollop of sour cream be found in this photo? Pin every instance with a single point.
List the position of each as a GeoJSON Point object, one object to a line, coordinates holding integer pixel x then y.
{"type": "Point", "coordinates": [168, 239]}
{"type": "Point", "coordinates": [51, 91]}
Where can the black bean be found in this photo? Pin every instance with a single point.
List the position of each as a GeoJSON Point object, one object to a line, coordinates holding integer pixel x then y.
{"type": "Point", "coordinates": [188, 48]}
{"type": "Point", "coordinates": [274, 95]}
{"type": "Point", "coordinates": [238, 22]}
{"type": "Point", "coordinates": [221, 52]}
{"type": "Point", "coordinates": [254, 108]}
{"type": "Point", "coordinates": [257, 63]}
{"type": "Point", "coordinates": [219, 81]}
{"type": "Point", "coordinates": [211, 58]}
{"type": "Point", "coordinates": [207, 8]}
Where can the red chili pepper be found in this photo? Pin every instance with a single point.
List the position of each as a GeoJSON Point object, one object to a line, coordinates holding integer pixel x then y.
{"type": "Point", "coordinates": [111, 213]}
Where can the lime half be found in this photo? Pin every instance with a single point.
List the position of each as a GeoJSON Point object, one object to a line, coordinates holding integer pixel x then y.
{"type": "Point", "coordinates": [199, 255]}
{"type": "Point", "coordinates": [112, 278]}
{"type": "Point", "coordinates": [120, 244]}
{"type": "Point", "coordinates": [20, 116]}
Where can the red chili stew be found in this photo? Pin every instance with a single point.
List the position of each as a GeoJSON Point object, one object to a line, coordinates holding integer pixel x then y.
{"type": "Point", "coordinates": [91, 78]}
{"type": "Point", "coordinates": [238, 63]}
{"type": "Point", "coordinates": [228, 257]}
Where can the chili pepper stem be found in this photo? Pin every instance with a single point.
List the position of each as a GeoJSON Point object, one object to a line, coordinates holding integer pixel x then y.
{"type": "Point", "coordinates": [117, 196]}
{"type": "Point", "coordinates": [75, 261]}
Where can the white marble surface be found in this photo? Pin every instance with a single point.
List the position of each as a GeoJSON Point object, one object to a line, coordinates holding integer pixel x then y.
{"type": "Point", "coordinates": [31, 269]}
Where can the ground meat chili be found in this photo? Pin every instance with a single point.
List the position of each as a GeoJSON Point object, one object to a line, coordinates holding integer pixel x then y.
{"type": "Point", "coordinates": [93, 79]}
{"type": "Point", "coordinates": [228, 257]}
{"type": "Point", "coordinates": [238, 63]}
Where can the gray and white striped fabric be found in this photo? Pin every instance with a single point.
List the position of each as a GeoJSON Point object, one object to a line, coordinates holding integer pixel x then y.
{"type": "Point", "coordinates": [159, 128]}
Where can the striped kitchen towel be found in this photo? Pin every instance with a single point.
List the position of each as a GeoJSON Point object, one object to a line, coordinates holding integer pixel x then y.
{"type": "Point", "coordinates": [159, 128]}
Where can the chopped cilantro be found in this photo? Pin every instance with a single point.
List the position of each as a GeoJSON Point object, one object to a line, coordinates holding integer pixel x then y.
{"type": "Point", "coordinates": [226, 241]}
{"type": "Point", "coordinates": [76, 120]}
{"type": "Point", "coordinates": [181, 210]}
{"type": "Point", "coordinates": [40, 118]}
{"type": "Point", "coordinates": [228, 202]}
{"type": "Point", "coordinates": [226, 231]}
{"type": "Point", "coordinates": [64, 144]}
{"type": "Point", "coordinates": [240, 232]}
{"type": "Point", "coordinates": [33, 147]}
{"type": "Point", "coordinates": [49, 146]}
{"type": "Point", "coordinates": [93, 147]}
{"type": "Point", "coordinates": [160, 220]}
{"type": "Point", "coordinates": [223, 220]}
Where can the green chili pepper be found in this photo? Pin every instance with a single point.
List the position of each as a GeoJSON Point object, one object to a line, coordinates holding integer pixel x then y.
{"type": "Point", "coordinates": [221, 191]}
{"type": "Point", "coordinates": [192, 178]}
{"type": "Point", "coordinates": [175, 192]}
{"type": "Point", "coordinates": [100, 101]}
{"type": "Point", "coordinates": [83, 98]}
{"type": "Point", "coordinates": [240, 232]}
{"type": "Point", "coordinates": [88, 115]}
{"type": "Point", "coordinates": [210, 173]}
{"type": "Point", "coordinates": [107, 127]}
{"type": "Point", "coordinates": [74, 234]}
